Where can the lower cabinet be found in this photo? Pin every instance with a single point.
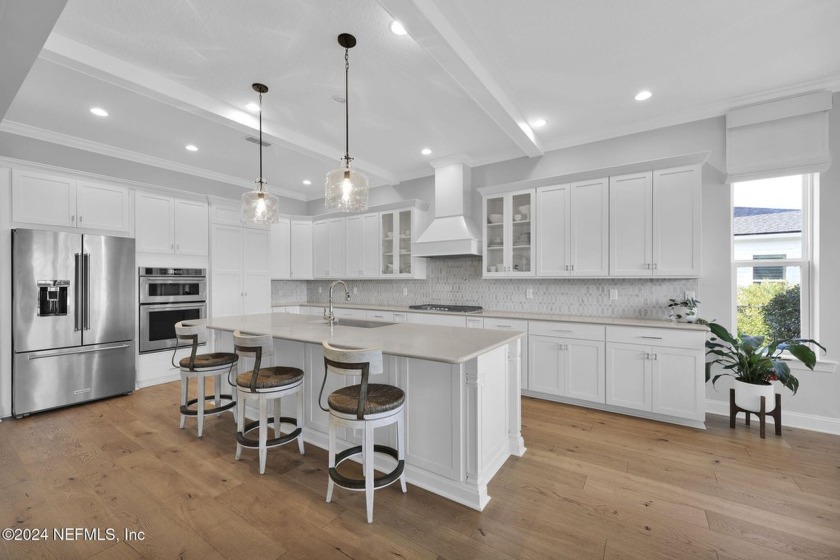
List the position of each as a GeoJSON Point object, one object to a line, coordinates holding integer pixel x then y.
{"type": "Point", "coordinates": [656, 370]}
{"type": "Point", "coordinates": [566, 367]}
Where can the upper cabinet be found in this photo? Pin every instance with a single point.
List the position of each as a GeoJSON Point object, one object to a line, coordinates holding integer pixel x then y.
{"type": "Point", "coordinates": [52, 200]}
{"type": "Point", "coordinates": [280, 263]}
{"type": "Point", "coordinates": [329, 248]}
{"type": "Point", "coordinates": [572, 229]}
{"type": "Point", "coordinates": [655, 224]}
{"type": "Point", "coordinates": [508, 234]}
{"type": "Point", "coordinates": [301, 250]}
{"type": "Point", "coordinates": [397, 229]}
{"type": "Point", "coordinates": [170, 225]}
{"type": "Point", "coordinates": [363, 246]}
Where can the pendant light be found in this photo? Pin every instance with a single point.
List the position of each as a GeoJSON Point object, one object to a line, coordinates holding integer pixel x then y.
{"type": "Point", "coordinates": [260, 206]}
{"type": "Point", "coordinates": [346, 189]}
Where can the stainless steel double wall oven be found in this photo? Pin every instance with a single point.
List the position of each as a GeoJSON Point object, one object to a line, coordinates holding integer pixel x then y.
{"type": "Point", "coordinates": [169, 295]}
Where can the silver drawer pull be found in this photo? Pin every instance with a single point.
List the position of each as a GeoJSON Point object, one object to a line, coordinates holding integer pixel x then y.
{"type": "Point", "coordinates": [652, 337]}
{"type": "Point", "coordinates": [561, 330]}
{"type": "Point", "coordinates": [503, 326]}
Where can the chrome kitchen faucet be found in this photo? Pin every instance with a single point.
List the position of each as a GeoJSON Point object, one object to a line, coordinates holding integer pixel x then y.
{"type": "Point", "coordinates": [330, 316]}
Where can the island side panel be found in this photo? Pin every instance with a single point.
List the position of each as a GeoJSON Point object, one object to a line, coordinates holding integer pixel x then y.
{"type": "Point", "coordinates": [514, 406]}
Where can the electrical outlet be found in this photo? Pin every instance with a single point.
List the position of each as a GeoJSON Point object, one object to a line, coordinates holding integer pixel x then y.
{"type": "Point", "coordinates": [529, 293]}
{"type": "Point", "coordinates": [405, 291]}
{"type": "Point", "coordinates": [613, 295]}
{"type": "Point", "coordinates": [689, 294]}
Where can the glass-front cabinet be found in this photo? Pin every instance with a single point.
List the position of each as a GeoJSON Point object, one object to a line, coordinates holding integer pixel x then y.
{"type": "Point", "coordinates": [397, 231]}
{"type": "Point", "coordinates": [508, 234]}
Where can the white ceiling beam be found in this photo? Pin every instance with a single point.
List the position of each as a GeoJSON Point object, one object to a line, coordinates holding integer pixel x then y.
{"type": "Point", "coordinates": [79, 57]}
{"type": "Point", "coordinates": [23, 30]}
{"type": "Point", "coordinates": [431, 30]}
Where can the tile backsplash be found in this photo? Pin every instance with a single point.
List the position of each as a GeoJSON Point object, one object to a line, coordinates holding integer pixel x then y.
{"type": "Point", "coordinates": [457, 280]}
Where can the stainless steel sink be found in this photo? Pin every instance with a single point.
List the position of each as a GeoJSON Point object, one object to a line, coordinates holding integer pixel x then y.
{"type": "Point", "coordinates": [360, 323]}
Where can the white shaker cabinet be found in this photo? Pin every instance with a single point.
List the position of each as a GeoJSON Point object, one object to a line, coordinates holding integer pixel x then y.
{"type": "Point", "coordinates": [280, 265]}
{"type": "Point", "coordinates": [169, 225]}
{"type": "Point", "coordinates": [397, 230]}
{"type": "Point", "coordinates": [239, 282]}
{"type": "Point", "coordinates": [655, 223]}
{"type": "Point", "coordinates": [512, 325]}
{"type": "Point", "coordinates": [301, 249]}
{"type": "Point", "coordinates": [567, 360]}
{"type": "Point", "coordinates": [328, 248]}
{"type": "Point", "coordinates": [657, 370]}
{"type": "Point", "coordinates": [363, 246]}
{"type": "Point", "coordinates": [573, 229]}
{"type": "Point", "coordinates": [53, 200]}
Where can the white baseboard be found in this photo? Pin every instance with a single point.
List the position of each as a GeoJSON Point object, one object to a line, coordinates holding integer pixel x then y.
{"type": "Point", "coordinates": [141, 383]}
{"type": "Point", "coordinates": [801, 420]}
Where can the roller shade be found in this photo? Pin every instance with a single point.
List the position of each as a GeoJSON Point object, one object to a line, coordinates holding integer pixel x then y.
{"type": "Point", "coordinates": [784, 137]}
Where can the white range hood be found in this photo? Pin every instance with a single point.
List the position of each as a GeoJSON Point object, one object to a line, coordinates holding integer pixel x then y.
{"type": "Point", "coordinates": [451, 232]}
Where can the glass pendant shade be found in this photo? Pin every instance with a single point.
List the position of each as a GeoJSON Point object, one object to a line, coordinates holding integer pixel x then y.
{"type": "Point", "coordinates": [346, 189]}
{"type": "Point", "coordinates": [260, 207]}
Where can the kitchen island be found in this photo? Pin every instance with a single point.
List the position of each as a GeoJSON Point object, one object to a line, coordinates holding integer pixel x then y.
{"type": "Point", "coordinates": [463, 416]}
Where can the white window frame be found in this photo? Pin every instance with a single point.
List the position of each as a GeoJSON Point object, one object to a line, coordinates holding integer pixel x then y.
{"type": "Point", "coordinates": [805, 263]}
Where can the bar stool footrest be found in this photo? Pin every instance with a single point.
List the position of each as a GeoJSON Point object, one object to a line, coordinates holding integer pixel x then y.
{"type": "Point", "coordinates": [359, 484]}
{"type": "Point", "coordinates": [187, 411]}
{"type": "Point", "coordinates": [245, 441]}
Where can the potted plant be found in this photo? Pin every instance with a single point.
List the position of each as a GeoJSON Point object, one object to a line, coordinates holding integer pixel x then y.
{"type": "Point", "coordinates": [685, 310]}
{"type": "Point", "coordinates": [755, 363]}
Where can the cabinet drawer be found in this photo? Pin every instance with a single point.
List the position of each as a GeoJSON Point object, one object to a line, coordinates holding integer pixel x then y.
{"type": "Point", "coordinates": [506, 324]}
{"type": "Point", "coordinates": [581, 331]}
{"type": "Point", "coordinates": [657, 337]}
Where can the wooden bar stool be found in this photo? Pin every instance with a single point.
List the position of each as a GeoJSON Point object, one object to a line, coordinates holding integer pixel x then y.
{"type": "Point", "coordinates": [268, 385]}
{"type": "Point", "coordinates": [365, 406]}
{"type": "Point", "coordinates": [202, 366]}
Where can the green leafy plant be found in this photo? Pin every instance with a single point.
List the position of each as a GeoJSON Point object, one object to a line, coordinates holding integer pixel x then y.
{"type": "Point", "coordinates": [754, 359]}
{"type": "Point", "coordinates": [683, 309]}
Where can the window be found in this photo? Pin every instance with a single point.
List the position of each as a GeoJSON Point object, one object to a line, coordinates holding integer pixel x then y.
{"type": "Point", "coordinates": [772, 256]}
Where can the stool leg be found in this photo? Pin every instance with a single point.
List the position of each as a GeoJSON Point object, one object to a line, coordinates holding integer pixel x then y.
{"type": "Point", "coordinates": [200, 404]}
{"type": "Point", "coordinates": [331, 459]}
{"type": "Point", "coordinates": [401, 447]}
{"type": "Point", "coordinates": [777, 414]}
{"type": "Point", "coordinates": [240, 420]}
{"type": "Point", "coordinates": [299, 417]}
{"type": "Point", "coordinates": [368, 455]}
{"type": "Point", "coordinates": [184, 397]}
{"type": "Point", "coordinates": [217, 385]}
{"type": "Point", "coordinates": [263, 431]}
{"type": "Point", "coordinates": [275, 413]}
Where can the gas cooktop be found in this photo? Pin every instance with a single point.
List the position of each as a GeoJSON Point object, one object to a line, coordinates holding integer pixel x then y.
{"type": "Point", "coordinates": [448, 308]}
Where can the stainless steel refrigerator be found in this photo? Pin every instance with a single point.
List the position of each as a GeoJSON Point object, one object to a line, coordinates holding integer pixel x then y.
{"type": "Point", "coordinates": [73, 318]}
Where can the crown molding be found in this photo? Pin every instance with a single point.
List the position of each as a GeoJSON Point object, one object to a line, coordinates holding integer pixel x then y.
{"type": "Point", "coordinates": [41, 134]}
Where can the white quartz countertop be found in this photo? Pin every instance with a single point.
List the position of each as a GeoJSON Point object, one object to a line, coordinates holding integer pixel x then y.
{"type": "Point", "coordinates": [617, 321]}
{"type": "Point", "coordinates": [452, 345]}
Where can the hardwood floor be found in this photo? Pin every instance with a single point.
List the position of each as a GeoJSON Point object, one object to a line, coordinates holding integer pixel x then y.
{"type": "Point", "coordinates": [592, 485]}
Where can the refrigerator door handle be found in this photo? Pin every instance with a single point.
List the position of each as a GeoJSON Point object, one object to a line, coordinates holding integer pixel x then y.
{"type": "Point", "coordinates": [86, 258]}
{"type": "Point", "coordinates": [72, 352]}
{"type": "Point", "coordinates": [77, 312]}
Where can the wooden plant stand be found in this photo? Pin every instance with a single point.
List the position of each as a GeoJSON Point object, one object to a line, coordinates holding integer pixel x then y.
{"type": "Point", "coordinates": [734, 409]}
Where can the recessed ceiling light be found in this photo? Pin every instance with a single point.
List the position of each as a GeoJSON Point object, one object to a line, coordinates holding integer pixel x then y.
{"type": "Point", "coordinates": [99, 111]}
{"type": "Point", "coordinates": [539, 123]}
{"type": "Point", "coordinates": [253, 107]}
{"type": "Point", "coordinates": [338, 98]}
{"type": "Point", "coordinates": [642, 95]}
{"type": "Point", "coordinates": [397, 28]}
{"type": "Point", "coordinates": [425, 151]}
{"type": "Point", "coordinates": [307, 182]}
{"type": "Point", "coordinates": [191, 148]}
